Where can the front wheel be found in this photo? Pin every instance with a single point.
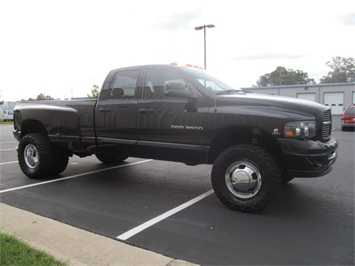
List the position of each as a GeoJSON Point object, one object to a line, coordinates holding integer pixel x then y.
{"type": "Point", "coordinates": [246, 178]}
{"type": "Point", "coordinates": [35, 155]}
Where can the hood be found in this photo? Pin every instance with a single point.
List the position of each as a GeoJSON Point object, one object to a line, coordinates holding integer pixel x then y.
{"type": "Point", "coordinates": [263, 103]}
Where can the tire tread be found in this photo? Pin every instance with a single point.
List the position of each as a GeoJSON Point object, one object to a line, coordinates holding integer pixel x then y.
{"type": "Point", "coordinates": [249, 205]}
{"type": "Point", "coordinates": [45, 151]}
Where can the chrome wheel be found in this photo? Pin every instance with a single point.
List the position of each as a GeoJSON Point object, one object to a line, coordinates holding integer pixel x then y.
{"type": "Point", "coordinates": [31, 156]}
{"type": "Point", "coordinates": [243, 179]}
{"type": "Point", "coordinates": [36, 156]}
{"type": "Point", "coordinates": [246, 177]}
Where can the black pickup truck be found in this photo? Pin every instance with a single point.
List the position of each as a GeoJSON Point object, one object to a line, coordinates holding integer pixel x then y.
{"type": "Point", "coordinates": [177, 113]}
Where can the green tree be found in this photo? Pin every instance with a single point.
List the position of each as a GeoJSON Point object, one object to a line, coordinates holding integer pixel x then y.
{"type": "Point", "coordinates": [95, 90]}
{"type": "Point", "coordinates": [283, 76]}
{"type": "Point", "coordinates": [343, 70]}
{"type": "Point", "coordinates": [41, 96]}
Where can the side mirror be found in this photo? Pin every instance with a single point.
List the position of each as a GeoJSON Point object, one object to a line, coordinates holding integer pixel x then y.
{"type": "Point", "coordinates": [177, 88]}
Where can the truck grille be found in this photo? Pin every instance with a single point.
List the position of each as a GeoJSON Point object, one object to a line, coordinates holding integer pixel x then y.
{"type": "Point", "coordinates": [327, 125]}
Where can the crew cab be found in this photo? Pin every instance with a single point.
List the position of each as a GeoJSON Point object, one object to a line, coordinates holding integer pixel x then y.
{"type": "Point", "coordinates": [255, 142]}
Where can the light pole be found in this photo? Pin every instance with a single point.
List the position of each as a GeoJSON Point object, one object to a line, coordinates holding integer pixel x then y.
{"type": "Point", "coordinates": [204, 37]}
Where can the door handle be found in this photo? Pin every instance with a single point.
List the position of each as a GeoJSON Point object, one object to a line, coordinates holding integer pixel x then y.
{"type": "Point", "coordinates": [146, 111]}
{"type": "Point", "coordinates": [105, 110]}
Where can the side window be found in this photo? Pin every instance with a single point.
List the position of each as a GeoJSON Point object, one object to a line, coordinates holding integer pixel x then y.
{"type": "Point", "coordinates": [155, 80]}
{"type": "Point", "coordinates": [124, 85]}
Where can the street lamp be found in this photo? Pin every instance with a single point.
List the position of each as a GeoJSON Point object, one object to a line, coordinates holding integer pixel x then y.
{"type": "Point", "coordinates": [204, 37]}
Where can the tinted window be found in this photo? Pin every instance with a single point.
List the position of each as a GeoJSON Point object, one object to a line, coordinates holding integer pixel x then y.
{"type": "Point", "coordinates": [155, 80]}
{"type": "Point", "coordinates": [124, 85]}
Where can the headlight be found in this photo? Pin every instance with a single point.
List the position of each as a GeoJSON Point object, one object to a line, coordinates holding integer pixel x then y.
{"type": "Point", "coordinates": [300, 129]}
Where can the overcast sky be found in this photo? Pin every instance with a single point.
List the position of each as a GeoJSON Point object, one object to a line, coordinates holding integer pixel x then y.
{"type": "Point", "coordinates": [61, 48]}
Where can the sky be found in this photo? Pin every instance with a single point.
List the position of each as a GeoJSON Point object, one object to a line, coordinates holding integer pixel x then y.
{"type": "Point", "coordinates": [61, 48]}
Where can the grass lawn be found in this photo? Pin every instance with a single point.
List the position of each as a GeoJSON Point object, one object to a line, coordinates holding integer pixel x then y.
{"type": "Point", "coordinates": [6, 122]}
{"type": "Point", "coordinates": [13, 251]}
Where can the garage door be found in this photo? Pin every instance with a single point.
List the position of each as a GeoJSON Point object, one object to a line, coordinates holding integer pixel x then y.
{"type": "Point", "coordinates": [307, 96]}
{"type": "Point", "coordinates": [335, 100]}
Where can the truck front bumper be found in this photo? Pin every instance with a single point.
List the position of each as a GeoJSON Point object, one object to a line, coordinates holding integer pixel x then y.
{"type": "Point", "coordinates": [308, 158]}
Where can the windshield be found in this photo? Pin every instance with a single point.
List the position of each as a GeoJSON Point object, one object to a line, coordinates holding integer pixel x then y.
{"type": "Point", "coordinates": [350, 111]}
{"type": "Point", "coordinates": [208, 81]}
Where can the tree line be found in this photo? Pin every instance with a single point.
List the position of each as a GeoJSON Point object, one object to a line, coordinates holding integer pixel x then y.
{"type": "Point", "coordinates": [342, 71]}
{"type": "Point", "coordinates": [40, 97]}
{"type": "Point", "coordinates": [95, 90]}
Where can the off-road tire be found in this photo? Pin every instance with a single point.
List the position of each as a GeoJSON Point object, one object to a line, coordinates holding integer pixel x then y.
{"type": "Point", "coordinates": [61, 162]}
{"type": "Point", "coordinates": [109, 158]}
{"type": "Point", "coordinates": [36, 155]}
{"type": "Point", "coordinates": [246, 178]}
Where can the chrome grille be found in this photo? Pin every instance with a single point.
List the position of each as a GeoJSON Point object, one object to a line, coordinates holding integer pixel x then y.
{"type": "Point", "coordinates": [327, 125]}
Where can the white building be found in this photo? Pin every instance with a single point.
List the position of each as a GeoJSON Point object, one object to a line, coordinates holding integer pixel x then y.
{"type": "Point", "coordinates": [335, 95]}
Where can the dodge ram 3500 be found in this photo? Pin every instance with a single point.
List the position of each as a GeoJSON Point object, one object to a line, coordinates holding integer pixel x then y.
{"type": "Point", "coordinates": [182, 114]}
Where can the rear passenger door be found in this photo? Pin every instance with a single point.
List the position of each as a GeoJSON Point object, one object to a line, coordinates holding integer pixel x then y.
{"type": "Point", "coordinates": [116, 112]}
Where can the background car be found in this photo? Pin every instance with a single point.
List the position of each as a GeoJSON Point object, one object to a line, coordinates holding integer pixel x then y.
{"type": "Point", "coordinates": [348, 118]}
{"type": "Point", "coordinates": [8, 115]}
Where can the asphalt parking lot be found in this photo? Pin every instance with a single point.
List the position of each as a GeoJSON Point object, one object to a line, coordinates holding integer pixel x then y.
{"type": "Point", "coordinates": [169, 208]}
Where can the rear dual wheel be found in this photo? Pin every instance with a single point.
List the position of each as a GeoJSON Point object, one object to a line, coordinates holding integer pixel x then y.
{"type": "Point", "coordinates": [110, 158]}
{"type": "Point", "coordinates": [246, 178]}
{"type": "Point", "coordinates": [61, 162]}
{"type": "Point", "coordinates": [38, 158]}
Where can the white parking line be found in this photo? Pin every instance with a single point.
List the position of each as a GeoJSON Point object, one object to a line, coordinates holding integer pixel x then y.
{"type": "Point", "coordinates": [70, 177]}
{"type": "Point", "coordinates": [13, 149]}
{"type": "Point", "coordinates": [7, 142]}
{"type": "Point", "coordinates": [8, 162]}
{"type": "Point", "coordinates": [161, 217]}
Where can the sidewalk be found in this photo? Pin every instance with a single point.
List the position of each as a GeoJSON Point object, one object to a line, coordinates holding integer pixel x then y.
{"type": "Point", "coordinates": [76, 246]}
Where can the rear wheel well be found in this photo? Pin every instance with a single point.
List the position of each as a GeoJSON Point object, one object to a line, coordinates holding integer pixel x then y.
{"type": "Point", "coordinates": [32, 126]}
{"type": "Point", "coordinates": [243, 135]}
